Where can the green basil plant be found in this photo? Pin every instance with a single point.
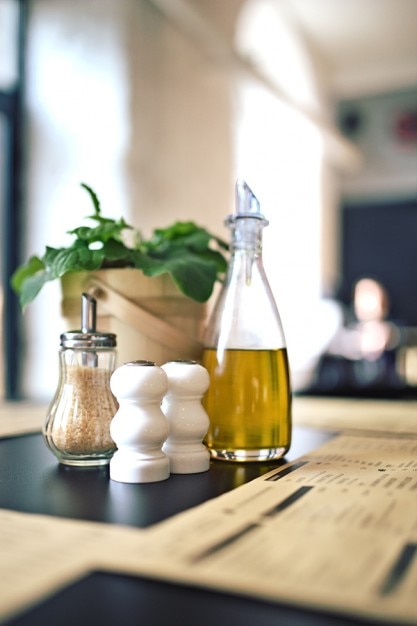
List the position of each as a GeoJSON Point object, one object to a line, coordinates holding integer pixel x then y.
{"type": "Point", "coordinates": [191, 255]}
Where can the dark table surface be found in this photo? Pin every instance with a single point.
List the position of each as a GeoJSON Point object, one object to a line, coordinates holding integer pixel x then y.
{"type": "Point", "coordinates": [32, 481]}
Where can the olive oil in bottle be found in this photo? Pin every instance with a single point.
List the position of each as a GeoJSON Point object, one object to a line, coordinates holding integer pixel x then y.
{"type": "Point", "coordinates": [249, 406]}
{"type": "Point", "coordinates": [249, 398]}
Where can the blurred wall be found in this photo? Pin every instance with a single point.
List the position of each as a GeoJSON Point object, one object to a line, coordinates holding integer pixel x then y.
{"type": "Point", "coordinates": [117, 98]}
{"type": "Point", "coordinates": [122, 97]}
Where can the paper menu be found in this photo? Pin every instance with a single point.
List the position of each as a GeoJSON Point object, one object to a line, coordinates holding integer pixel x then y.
{"type": "Point", "coordinates": [40, 554]}
{"type": "Point", "coordinates": [336, 529]}
{"type": "Point", "coordinates": [18, 418]}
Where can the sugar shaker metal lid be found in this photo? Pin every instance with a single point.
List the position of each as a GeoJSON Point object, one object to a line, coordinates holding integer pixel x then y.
{"type": "Point", "coordinates": [77, 339]}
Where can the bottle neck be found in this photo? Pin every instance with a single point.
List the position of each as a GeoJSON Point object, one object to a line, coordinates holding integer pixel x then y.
{"type": "Point", "coordinates": [247, 235]}
{"type": "Point", "coordinates": [246, 249]}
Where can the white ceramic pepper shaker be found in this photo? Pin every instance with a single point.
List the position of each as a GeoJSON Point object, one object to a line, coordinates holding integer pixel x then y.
{"type": "Point", "coordinates": [139, 427]}
{"type": "Point", "coordinates": [188, 420]}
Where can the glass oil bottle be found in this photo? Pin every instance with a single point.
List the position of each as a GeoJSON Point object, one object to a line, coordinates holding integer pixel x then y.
{"type": "Point", "coordinates": [249, 398]}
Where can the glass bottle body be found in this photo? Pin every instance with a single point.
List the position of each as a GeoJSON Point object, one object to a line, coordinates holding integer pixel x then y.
{"type": "Point", "coordinates": [249, 398]}
{"type": "Point", "coordinates": [77, 428]}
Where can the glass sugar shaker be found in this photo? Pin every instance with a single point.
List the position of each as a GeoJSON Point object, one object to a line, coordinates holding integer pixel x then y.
{"type": "Point", "coordinates": [249, 398]}
{"type": "Point", "coordinates": [77, 427]}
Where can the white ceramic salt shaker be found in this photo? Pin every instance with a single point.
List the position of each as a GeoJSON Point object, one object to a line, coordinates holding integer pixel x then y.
{"type": "Point", "coordinates": [139, 427]}
{"type": "Point", "coordinates": [188, 420]}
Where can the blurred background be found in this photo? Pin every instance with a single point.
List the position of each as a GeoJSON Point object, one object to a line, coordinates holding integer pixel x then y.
{"type": "Point", "coordinates": [160, 105]}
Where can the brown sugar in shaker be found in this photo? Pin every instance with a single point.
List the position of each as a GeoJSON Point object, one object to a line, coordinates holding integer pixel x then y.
{"type": "Point", "coordinates": [77, 427]}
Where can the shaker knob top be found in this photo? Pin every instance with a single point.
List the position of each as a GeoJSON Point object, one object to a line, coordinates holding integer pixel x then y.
{"type": "Point", "coordinates": [186, 377]}
{"type": "Point", "coordinates": [138, 379]}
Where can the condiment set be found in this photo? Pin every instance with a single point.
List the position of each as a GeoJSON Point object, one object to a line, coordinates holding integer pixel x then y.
{"type": "Point", "coordinates": [148, 422]}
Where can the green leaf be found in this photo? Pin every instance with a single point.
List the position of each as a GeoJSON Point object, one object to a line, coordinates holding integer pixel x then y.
{"type": "Point", "coordinates": [115, 251]}
{"type": "Point", "coordinates": [74, 259]}
{"type": "Point", "coordinates": [194, 277]}
{"type": "Point", "coordinates": [148, 265]}
{"type": "Point", "coordinates": [178, 229]}
{"type": "Point", "coordinates": [94, 198]}
{"type": "Point", "coordinates": [50, 255]}
{"type": "Point", "coordinates": [213, 256]}
{"type": "Point", "coordinates": [108, 229]}
{"type": "Point", "coordinates": [22, 273]}
{"type": "Point", "coordinates": [185, 234]}
{"type": "Point", "coordinates": [32, 286]}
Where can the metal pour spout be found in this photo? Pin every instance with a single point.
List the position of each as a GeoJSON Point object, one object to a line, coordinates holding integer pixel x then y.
{"type": "Point", "coordinates": [88, 326]}
{"type": "Point", "coordinates": [88, 313]}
